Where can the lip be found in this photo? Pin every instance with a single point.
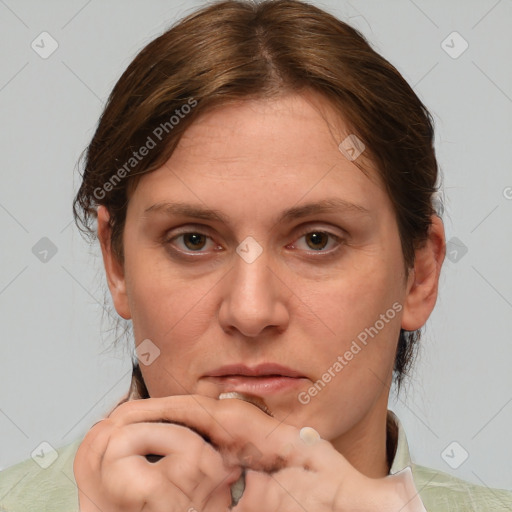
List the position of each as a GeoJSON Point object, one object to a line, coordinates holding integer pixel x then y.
{"type": "Point", "coordinates": [261, 370]}
{"type": "Point", "coordinates": [264, 379]}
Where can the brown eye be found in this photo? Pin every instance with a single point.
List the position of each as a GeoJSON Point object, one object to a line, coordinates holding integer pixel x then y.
{"type": "Point", "coordinates": [194, 241]}
{"type": "Point", "coordinates": [322, 242]}
{"type": "Point", "coordinates": [318, 240]}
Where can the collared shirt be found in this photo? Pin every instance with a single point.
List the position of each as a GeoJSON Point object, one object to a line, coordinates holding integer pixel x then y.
{"type": "Point", "coordinates": [27, 487]}
{"type": "Point", "coordinates": [442, 492]}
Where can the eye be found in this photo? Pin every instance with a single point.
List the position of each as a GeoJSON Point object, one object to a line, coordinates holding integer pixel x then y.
{"type": "Point", "coordinates": [318, 240]}
{"type": "Point", "coordinates": [192, 241]}
{"type": "Point", "coordinates": [197, 242]}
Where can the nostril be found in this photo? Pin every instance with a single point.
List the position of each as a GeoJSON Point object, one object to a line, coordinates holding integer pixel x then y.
{"type": "Point", "coordinates": [151, 457]}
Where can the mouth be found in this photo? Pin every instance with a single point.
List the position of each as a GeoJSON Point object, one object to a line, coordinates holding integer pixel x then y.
{"type": "Point", "coordinates": [263, 380]}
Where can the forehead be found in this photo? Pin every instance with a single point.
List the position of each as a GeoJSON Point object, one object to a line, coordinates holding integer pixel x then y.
{"type": "Point", "coordinates": [284, 147]}
{"type": "Point", "coordinates": [290, 127]}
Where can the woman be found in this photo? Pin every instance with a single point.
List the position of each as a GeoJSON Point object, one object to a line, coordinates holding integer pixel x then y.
{"type": "Point", "coordinates": [263, 187]}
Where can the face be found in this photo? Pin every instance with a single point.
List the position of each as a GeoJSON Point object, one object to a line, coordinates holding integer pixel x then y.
{"type": "Point", "coordinates": [321, 292]}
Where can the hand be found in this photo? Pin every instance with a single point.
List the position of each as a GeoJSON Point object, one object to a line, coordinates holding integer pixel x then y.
{"type": "Point", "coordinates": [113, 473]}
{"type": "Point", "coordinates": [283, 472]}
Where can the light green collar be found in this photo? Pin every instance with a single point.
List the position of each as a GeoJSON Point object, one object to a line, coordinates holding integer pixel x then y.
{"type": "Point", "coordinates": [402, 457]}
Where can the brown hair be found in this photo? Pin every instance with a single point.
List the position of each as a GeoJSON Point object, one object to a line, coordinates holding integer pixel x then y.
{"type": "Point", "coordinates": [238, 49]}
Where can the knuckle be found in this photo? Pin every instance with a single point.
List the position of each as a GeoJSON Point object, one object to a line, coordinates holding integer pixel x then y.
{"type": "Point", "coordinates": [122, 410]}
{"type": "Point", "coordinates": [94, 438]}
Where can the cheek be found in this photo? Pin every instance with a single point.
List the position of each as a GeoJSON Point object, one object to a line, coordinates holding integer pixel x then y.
{"type": "Point", "coordinates": [172, 315]}
{"type": "Point", "coordinates": [153, 288]}
{"type": "Point", "coordinates": [167, 307]}
{"type": "Point", "coordinates": [363, 312]}
{"type": "Point", "coordinates": [352, 367]}
{"type": "Point", "coordinates": [355, 301]}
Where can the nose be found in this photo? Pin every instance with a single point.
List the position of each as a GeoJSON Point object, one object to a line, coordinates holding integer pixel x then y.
{"type": "Point", "coordinates": [254, 299]}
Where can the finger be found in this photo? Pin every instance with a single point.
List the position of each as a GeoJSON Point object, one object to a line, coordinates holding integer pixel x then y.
{"type": "Point", "coordinates": [239, 429]}
{"type": "Point", "coordinates": [149, 409]}
{"type": "Point", "coordinates": [266, 492]}
{"type": "Point", "coordinates": [205, 480]}
{"type": "Point", "coordinates": [169, 441]}
{"type": "Point", "coordinates": [154, 438]}
{"type": "Point", "coordinates": [289, 490]}
{"type": "Point", "coordinates": [90, 452]}
{"type": "Point", "coordinates": [188, 465]}
{"type": "Point", "coordinates": [111, 458]}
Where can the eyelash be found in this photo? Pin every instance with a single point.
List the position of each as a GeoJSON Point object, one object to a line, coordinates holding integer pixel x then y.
{"type": "Point", "coordinates": [309, 230]}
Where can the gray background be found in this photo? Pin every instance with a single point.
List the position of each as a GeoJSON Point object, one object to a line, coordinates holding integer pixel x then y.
{"type": "Point", "coordinates": [58, 374]}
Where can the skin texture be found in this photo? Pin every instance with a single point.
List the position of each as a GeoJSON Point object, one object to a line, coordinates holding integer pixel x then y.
{"type": "Point", "coordinates": [301, 303]}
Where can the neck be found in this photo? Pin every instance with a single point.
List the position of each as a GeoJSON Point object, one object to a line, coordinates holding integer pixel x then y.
{"type": "Point", "coordinates": [367, 443]}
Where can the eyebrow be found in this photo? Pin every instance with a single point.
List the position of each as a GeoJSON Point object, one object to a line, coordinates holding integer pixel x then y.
{"type": "Point", "coordinates": [330, 205]}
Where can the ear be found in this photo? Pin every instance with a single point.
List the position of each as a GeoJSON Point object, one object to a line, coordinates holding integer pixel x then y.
{"type": "Point", "coordinates": [113, 268]}
{"type": "Point", "coordinates": [422, 284]}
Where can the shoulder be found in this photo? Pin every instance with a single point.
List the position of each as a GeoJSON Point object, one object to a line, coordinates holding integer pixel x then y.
{"type": "Point", "coordinates": [48, 484]}
{"type": "Point", "coordinates": [442, 492]}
